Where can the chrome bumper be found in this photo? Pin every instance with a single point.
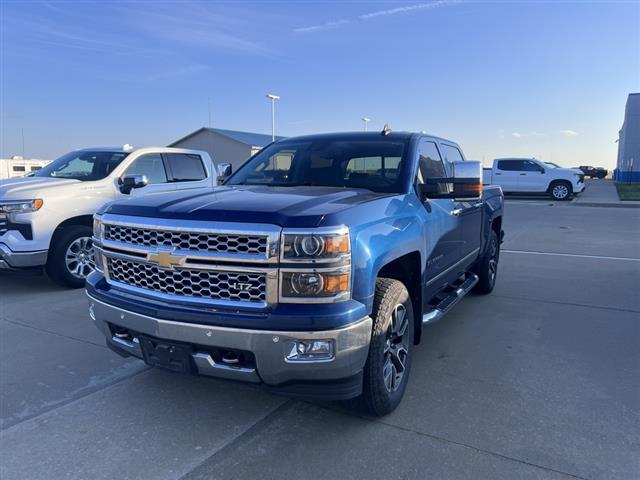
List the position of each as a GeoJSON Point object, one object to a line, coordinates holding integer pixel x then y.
{"type": "Point", "coordinates": [10, 260]}
{"type": "Point", "coordinates": [268, 347]}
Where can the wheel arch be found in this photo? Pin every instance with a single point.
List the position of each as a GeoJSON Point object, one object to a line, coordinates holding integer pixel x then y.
{"type": "Point", "coordinates": [408, 270]}
{"type": "Point", "coordinates": [84, 220]}
{"type": "Point", "coordinates": [556, 181]}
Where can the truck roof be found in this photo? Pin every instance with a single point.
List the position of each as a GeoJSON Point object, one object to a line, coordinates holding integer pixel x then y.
{"type": "Point", "coordinates": [363, 136]}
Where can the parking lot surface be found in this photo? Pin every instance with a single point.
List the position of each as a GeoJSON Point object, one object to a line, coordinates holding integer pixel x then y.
{"type": "Point", "coordinates": [540, 379]}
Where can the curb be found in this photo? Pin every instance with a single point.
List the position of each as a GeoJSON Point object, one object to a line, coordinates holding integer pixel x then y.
{"type": "Point", "coordinates": [607, 205]}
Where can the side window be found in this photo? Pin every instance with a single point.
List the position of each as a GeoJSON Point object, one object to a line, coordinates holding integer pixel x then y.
{"type": "Point", "coordinates": [511, 165]}
{"type": "Point", "coordinates": [452, 154]}
{"type": "Point", "coordinates": [19, 168]}
{"type": "Point", "coordinates": [150, 165]}
{"type": "Point", "coordinates": [430, 164]}
{"type": "Point", "coordinates": [186, 167]}
{"type": "Point", "coordinates": [530, 166]}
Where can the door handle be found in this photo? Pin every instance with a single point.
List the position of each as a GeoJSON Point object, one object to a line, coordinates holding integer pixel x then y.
{"type": "Point", "coordinates": [523, 174]}
{"type": "Point", "coordinates": [497, 173]}
{"type": "Point", "coordinates": [456, 211]}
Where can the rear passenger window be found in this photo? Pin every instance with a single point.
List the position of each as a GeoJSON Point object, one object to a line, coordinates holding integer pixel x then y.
{"type": "Point", "coordinates": [452, 154]}
{"type": "Point", "coordinates": [186, 167]}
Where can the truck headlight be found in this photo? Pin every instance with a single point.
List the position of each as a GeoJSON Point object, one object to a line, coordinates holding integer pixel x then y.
{"type": "Point", "coordinates": [320, 284]}
{"type": "Point", "coordinates": [21, 206]}
{"type": "Point", "coordinates": [325, 245]}
{"type": "Point", "coordinates": [98, 228]}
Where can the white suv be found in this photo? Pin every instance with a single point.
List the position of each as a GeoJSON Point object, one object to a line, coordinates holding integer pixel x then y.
{"type": "Point", "coordinates": [46, 218]}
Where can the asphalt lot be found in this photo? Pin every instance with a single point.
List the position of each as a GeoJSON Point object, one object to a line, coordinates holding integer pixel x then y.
{"type": "Point", "coordinates": [541, 379]}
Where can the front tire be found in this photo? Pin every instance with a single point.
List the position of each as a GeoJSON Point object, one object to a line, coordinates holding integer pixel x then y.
{"type": "Point", "coordinates": [386, 371]}
{"type": "Point", "coordinates": [560, 191]}
{"type": "Point", "coordinates": [71, 257]}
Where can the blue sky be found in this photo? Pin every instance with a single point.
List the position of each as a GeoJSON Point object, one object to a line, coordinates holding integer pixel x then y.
{"type": "Point", "coordinates": [540, 78]}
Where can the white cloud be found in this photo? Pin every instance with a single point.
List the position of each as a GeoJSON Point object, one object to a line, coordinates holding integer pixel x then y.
{"type": "Point", "coordinates": [409, 8]}
{"type": "Point", "coordinates": [528, 134]}
{"type": "Point", "coordinates": [323, 26]}
{"type": "Point", "coordinates": [379, 13]}
{"type": "Point", "coordinates": [568, 133]}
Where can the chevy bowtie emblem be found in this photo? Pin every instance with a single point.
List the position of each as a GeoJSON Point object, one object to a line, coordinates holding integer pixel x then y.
{"type": "Point", "coordinates": [165, 258]}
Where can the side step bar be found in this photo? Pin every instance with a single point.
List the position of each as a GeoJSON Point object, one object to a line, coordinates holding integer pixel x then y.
{"type": "Point", "coordinates": [447, 303]}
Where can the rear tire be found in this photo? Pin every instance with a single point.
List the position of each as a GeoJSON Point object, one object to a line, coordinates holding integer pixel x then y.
{"type": "Point", "coordinates": [71, 257]}
{"type": "Point", "coordinates": [487, 271]}
{"type": "Point", "coordinates": [560, 190]}
{"type": "Point", "coordinates": [386, 371]}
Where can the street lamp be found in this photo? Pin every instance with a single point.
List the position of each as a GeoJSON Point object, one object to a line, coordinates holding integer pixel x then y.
{"type": "Point", "coordinates": [273, 114]}
{"type": "Point", "coordinates": [365, 120]}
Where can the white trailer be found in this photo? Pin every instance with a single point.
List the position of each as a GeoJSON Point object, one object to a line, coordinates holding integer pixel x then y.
{"type": "Point", "coordinates": [17, 166]}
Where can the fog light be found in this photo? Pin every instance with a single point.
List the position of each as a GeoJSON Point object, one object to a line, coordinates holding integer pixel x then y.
{"type": "Point", "coordinates": [309, 351]}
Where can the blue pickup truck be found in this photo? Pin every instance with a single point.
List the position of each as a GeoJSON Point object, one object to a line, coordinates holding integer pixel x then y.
{"type": "Point", "coordinates": [313, 270]}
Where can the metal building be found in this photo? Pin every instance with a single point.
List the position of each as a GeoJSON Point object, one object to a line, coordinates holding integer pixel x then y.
{"type": "Point", "coordinates": [628, 168]}
{"type": "Point", "coordinates": [225, 146]}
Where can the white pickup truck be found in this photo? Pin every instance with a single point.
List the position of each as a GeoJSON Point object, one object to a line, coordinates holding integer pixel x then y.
{"type": "Point", "coordinates": [46, 218]}
{"type": "Point", "coordinates": [531, 176]}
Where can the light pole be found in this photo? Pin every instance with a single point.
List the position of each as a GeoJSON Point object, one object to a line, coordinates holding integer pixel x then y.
{"type": "Point", "coordinates": [273, 114]}
{"type": "Point", "coordinates": [365, 120]}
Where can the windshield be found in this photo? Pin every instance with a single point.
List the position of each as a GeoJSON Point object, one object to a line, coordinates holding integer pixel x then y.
{"type": "Point", "coordinates": [83, 165]}
{"type": "Point", "coordinates": [372, 164]}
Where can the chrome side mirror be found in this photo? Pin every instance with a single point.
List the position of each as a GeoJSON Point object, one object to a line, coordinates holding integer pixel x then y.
{"type": "Point", "coordinates": [466, 183]}
{"type": "Point", "coordinates": [129, 182]}
{"type": "Point", "coordinates": [224, 171]}
{"type": "Point", "coordinates": [467, 180]}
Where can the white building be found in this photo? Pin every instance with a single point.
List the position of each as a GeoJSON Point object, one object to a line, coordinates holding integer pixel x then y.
{"type": "Point", "coordinates": [17, 166]}
{"type": "Point", "coordinates": [225, 146]}
{"type": "Point", "coordinates": [628, 168]}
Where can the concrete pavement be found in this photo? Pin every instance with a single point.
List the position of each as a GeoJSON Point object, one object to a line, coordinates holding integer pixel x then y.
{"type": "Point", "coordinates": [538, 380]}
{"type": "Point", "coordinates": [602, 192]}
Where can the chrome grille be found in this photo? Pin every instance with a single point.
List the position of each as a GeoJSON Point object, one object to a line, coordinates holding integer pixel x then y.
{"type": "Point", "coordinates": [196, 241]}
{"type": "Point", "coordinates": [3, 225]}
{"type": "Point", "coordinates": [213, 284]}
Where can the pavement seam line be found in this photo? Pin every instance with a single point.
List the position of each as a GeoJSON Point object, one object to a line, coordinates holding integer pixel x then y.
{"type": "Point", "coordinates": [260, 424]}
{"type": "Point", "coordinates": [43, 330]}
{"type": "Point", "coordinates": [82, 396]}
{"type": "Point", "coordinates": [572, 255]}
{"type": "Point", "coordinates": [569, 304]}
{"type": "Point", "coordinates": [471, 447]}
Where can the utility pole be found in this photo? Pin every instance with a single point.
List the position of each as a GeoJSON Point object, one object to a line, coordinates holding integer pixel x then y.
{"type": "Point", "coordinates": [22, 142]}
{"type": "Point", "coordinates": [209, 107]}
{"type": "Point", "coordinates": [366, 121]}
{"type": "Point", "coordinates": [273, 99]}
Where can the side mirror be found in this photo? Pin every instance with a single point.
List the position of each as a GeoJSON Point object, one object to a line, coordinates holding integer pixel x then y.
{"type": "Point", "coordinates": [542, 170]}
{"type": "Point", "coordinates": [466, 183]}
{"type": "Point", "coordinates": [129, 182]}
{"type": "Point", "coordinates": [224, 170]}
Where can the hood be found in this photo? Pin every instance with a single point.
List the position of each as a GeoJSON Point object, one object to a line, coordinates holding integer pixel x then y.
{"type": "Point", "coordinates": [284, 206]}
{"type": "Point", "coordinates": [573, 170]}
{"type": "Point", "coordinates": [24, 188]}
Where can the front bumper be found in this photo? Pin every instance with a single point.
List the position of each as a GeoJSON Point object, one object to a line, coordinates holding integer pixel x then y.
{"type": "Point", "coordinates": [578, 187]}
{"type": "Point", "coordinates": [268, 347]}
{"type": "Point", "coordinates": [10, 260]}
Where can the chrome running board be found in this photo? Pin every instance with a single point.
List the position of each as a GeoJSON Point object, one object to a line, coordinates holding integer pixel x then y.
{"type": "Point", "coordinates": [448, 302]}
